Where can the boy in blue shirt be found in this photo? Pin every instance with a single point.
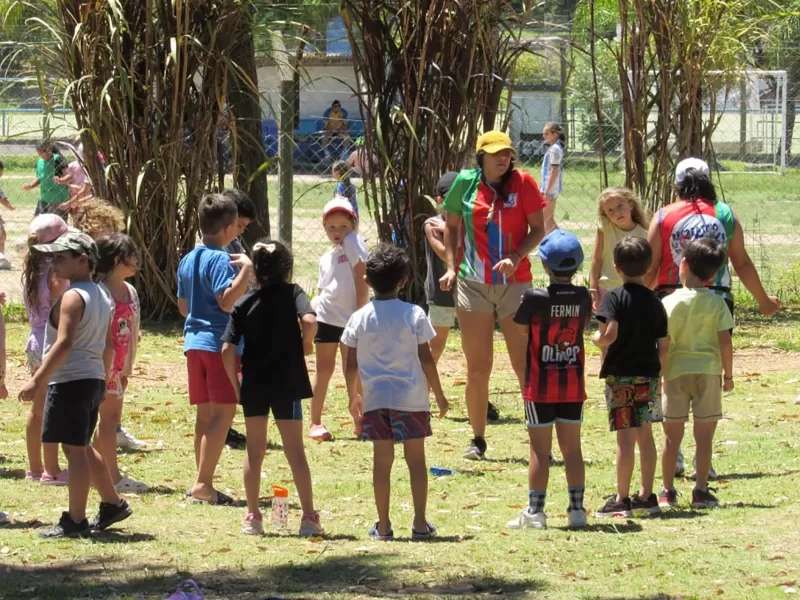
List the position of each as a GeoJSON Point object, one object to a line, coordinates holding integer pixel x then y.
{"type": "Point", "coordinates": [208, 287]}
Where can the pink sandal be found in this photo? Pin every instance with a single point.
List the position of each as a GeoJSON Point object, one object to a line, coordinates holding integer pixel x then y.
{"type": "Point", "coordinates": [62, 478]}
{"type": "Point", "coordinates": [33, 475]}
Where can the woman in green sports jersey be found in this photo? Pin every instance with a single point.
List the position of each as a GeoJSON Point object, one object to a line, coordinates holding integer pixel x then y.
{"type": "Point", "coordinates": [494, 220]}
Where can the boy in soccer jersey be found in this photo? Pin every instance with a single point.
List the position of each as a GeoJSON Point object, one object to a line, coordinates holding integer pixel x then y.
{"type": "Point", "coordinates": [554, 319]}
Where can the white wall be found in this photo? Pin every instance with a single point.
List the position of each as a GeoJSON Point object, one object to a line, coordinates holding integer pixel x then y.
{"type": "Point", "coordinates": [531, 111]}
{"type": "Point", "coordinates": [319, 87]}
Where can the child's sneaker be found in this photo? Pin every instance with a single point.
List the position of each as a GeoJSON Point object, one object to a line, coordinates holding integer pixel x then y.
{"type": "Point", "coordinates": [679, 468]}
{"type": "Point", "coordinates": [712, 474]}
{"type": "Point", "coordinates": [576, 519]}
{"type": "Point", "coordinates": [419, 536]}
{"type": "Point", "coordinates": [649, 504]}
{"type": "Point", "coordinates": [612, 508]}
{"type": "Point", "coordinates": [253, 524]}
{"type": "Point", "coordinates": [667, 498]}
{"type": "Point", "coordinates": [703, 499]}
{"type": "Point", "coordinates": [66, 527]}
{"type": "Point", "coordinates": [127, 441]}
{"type": "Point", "coordinates": [3, 517]}
{"type": "Point", "coordinates": [110, 513]}
{"type": "Point", "coordinates": [61, 479]}
{"type": "Point", "coordinates": [374, 534]}
{"type": "Point", "coordinates": [476, 450]}
{"type": "Point", "coordinates": [128, 485]}
{"type": "Point", "coordinates": [528, 520]}
{"type": "Point", "coordinates": [310, 525]}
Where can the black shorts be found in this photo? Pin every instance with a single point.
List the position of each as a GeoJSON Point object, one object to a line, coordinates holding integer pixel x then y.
{"type": "Point", "coordinates": [328, 334]}
{"type": "Point", "coordinates": [544, 414]}
{"type": "Point", "coordinates": [259, 400]}
{"type": "Point", "coordinates": [70, 411]}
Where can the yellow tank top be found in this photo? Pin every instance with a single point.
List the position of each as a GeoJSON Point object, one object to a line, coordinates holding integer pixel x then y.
{"type": "Point", "coordinates": [609, 279]}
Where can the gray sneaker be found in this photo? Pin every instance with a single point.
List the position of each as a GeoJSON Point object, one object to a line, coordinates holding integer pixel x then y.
{"type": "Point", "coordinates": [712, 474]}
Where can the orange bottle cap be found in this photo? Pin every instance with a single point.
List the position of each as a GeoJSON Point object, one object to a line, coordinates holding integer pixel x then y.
{"type": "Point", "coordinates": [280, 492]}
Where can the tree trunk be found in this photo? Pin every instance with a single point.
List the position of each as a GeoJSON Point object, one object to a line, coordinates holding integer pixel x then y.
{"type": "Point", "coordinates": [250, 173]}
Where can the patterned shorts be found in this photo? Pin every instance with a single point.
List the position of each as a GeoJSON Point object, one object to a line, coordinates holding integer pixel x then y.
{"type": "Point", "coordinates": [397, 425]}
{"type": "Point", "coordinates": [632, 402]}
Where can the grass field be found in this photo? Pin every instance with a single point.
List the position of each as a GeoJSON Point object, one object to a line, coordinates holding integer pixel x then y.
{"type": "Point", "coordinates": [747, 548]}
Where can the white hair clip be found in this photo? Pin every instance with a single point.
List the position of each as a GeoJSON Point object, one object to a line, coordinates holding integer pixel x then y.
{"type": "Point", "coordinates": [270, 248]}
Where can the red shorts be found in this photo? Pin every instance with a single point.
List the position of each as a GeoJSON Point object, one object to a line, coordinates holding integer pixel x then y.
{"type": "Point", "coordinates": [208, 381]}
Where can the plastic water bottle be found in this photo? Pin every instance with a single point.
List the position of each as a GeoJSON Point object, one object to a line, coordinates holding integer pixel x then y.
{"type": "Point", "coordinates": [280, 507]}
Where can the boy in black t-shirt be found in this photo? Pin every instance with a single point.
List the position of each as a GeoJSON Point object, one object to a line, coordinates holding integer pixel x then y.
{"type": "Point", "coordinates": [633, 335]}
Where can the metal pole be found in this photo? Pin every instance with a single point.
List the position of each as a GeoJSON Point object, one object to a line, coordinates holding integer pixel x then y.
{"type": "Point", "coordinates": [784, 109]}
{"type": "Point", "coordinates": [743, 118]}
{"type": "Point", "coordinates": [286, 162]}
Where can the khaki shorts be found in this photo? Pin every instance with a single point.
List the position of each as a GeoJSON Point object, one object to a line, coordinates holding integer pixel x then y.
{"type": "Point", "coordinates": [500, 300]}
{"type": "Point", "coordinates": [698, 392]}
{"type": "Point", "coordinates": [442, 316]}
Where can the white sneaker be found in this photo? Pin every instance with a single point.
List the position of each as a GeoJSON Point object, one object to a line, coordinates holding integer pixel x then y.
{"type": "Point", "coordinates": [126, 440]}
{"type": "Point", "coordinates": [3, 517]}
{"type": "Point", "coordinates": [128, 484]}
{"type": "Point", "coordinates": [576, 518]}
{"type": "Point", "coordinates": [253, 524]}
{"type": "Point", "coordinates": [530, 520]}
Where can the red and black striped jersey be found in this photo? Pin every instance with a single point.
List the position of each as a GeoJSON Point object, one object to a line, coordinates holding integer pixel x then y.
{"type": "Point", "coordinates": [554, 363]}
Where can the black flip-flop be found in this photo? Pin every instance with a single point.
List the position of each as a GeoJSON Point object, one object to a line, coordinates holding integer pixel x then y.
{"type": "Point", "coordinates": [221, 500]}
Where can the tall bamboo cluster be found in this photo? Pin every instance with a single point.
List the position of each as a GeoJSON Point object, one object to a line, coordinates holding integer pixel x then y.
{"type": "Point", "coordinates": [432, 76]}
{"type": "Point", "coordinates": [673, 57]}
{"type": "Point", "coordinates": [147, 82]}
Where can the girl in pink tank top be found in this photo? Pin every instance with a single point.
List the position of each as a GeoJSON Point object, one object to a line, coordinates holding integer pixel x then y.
{"type": "Point", "coordinates": [119, 260]}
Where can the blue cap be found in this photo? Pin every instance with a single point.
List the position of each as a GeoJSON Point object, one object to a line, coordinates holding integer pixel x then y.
{"type": "Point", "coordinates": [561, 251]}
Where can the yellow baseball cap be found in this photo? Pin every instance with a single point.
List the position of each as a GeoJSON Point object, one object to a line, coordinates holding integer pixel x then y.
{"type": "Point", "coordinates": [493, 142]}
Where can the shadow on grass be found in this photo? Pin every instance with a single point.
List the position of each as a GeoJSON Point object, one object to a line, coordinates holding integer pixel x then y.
{"type": "Point", "coordinates": [12, 474]}
{"type": "Point", "coordinates": [756, 475]}
{"type": "Point", "coordinates": [115, 536]}
{"type": "Point", "coordinates": [642, 597]}
{"type": "Point", "coordinates": [617, 526]}
{"type": "Point", "coordinates": [372, 574]}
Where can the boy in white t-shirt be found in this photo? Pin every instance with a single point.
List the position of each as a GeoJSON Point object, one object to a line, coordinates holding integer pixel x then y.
{"type": "Point", "coordinates": [388, 341]}
{"type": "Point", "coordinates": [341, 291]}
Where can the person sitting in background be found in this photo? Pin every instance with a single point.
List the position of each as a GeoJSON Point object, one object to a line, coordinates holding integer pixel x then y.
{"type": "Point", "coordinates": [334, 125]}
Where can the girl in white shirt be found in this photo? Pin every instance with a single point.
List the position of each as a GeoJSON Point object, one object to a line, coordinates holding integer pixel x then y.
{"type": "Point", "coordinates": [340, 292]}
{"type": "Point", "coordinates": [552, 171]}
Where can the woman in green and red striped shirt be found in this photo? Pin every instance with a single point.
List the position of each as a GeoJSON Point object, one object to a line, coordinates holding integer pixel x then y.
{"type": "Point", "coordinates": [494, 220]}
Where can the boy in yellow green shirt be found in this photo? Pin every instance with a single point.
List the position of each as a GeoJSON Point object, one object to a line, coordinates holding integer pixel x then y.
{"type": "Point", "coordinates": [700, 349]}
